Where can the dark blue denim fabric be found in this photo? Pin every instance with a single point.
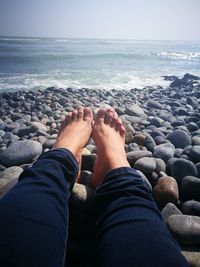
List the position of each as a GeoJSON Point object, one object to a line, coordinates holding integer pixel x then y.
{"type": "Point", "coordinates": [34, 218]}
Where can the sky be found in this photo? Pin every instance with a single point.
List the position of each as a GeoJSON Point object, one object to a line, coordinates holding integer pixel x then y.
{"type": "Point", "coordinates": [119, 19]}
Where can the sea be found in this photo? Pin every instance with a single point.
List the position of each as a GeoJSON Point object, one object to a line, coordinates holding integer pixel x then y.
{"type": "Point", "coordinates": [38, 63]}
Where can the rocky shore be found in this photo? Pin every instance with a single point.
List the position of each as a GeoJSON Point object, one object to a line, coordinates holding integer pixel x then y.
{"type": "Point", "coordinates": [162, 143]}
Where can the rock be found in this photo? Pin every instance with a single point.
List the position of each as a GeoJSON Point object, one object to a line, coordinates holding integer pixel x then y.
{"type": "Point", "coordinates": [86, 151]}
{"type": "Point", "coordinates": [159, 140]}
{"type": "Point", "coordinates": [135, 110]}
{"type": "Point", "coordinates": [133, 156]}
{"type": "Point", "coordinates": [49, 143]}
{"type": "Point", "coordinates": [190, 188]}
{"type": "Point", "coordinates": [88, 162]}
{"type": "Point", "coordinates": [4, 188]}
{"type": "Point", "coordinates": [166, 191]}
{"type": "Point", "coordinates": [85, 178]}
{"type": "Point", "coordinates": [26, 130]}
{"type": "Point", "coordinates": [181, 168]}
{"type": "Point", "coordinates": [20, 152]}
{"type": "Point", "coordinates": [164, 151]}
{"type": "Point", "coordinates": [195, 153]}
{"type": "Point", "coordinates": [82, 197]}
{"type": "Point", "coordinates": [178, 152]}
{"type": "Point", "coordinates": [179, 139]}
{"type": "Point", "coordinates": [169, 210]}
{"type": "Point", "coordinates": [156, 122]}
{"type": "Point", "coordinates": [146, 165]}
{"type": "Point", "coordinates": [2, 133]}
{"type": "Point", "coordinates": [139, 139]}
{"type": "Point", "coordinates": [129, 131]}
{"type": "Point", "coordinates": [190, 78]}
{"type": "Point", "coordinates": [39, 126]}
{"type": "Point", "coordinates": [11, 173]}
{"type": "Point", "coordinates": [192, 126]}
{"type": "Point", "coordinates": [191, 207]}
{"type": "Point", "coordinates": [196, 140]}
{"type": "Point", "coordinates": [197, 165]}
{"type": "Point", "coordinates": [193, 101]}
{"type": "Point", "coordinates": [192, 255]}
{"type": "Point", "coordinates": [2, 168]}
{"type": "Point", "coordinates": [185, 228]}
{"type": "Point", "coordinates": [149, 143]}
{"type": "Point", "coordinates": [176, 83]}
{"type": "Point", "coordinates": [170, 78]}
{"type": "Point", "coordinates": [160, 165]}
{"type": "Point", "coordinates": [154, 104]}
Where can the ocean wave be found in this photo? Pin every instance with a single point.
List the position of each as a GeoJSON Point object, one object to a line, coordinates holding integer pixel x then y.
{"type": "Point", "coordinates": [60, 79]}
{"type": "Point", "coordinates": [19, 39]}
{"type": "Point", "coordinates": [180, 55]}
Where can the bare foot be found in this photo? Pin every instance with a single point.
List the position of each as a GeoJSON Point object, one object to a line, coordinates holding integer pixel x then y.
{"type": "Point", "coordinates": [75, 132]}
{"type": "Point", "coordinates": [109, 137]}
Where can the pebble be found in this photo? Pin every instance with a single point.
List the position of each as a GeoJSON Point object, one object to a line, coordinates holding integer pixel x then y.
{"type": "Point", "coordinates": [20, 152]}
{"type": "Point", "coordinates": [196, 140]}
{"type": "Point", "coordinates": [190, 188]}
{"type": "Point", "coordinates": [164, 152]}
{"type": "Point", "coordinates": [169, 210]}
{"type": "Point", "coordinates": [191, 207]}
{"type": "Point", "coordinates": [195, 153]}
{"type": "Point", "coordinates": [179, 168]}
{"type": "Point", "coordinates": [166, 191]}
{"type": "Point", "coordinates": [185, 228]}
{"type": "Point", "coordinates": [149, 143]}
{"type": "Point", "coordinates": [133, 156]}
{"type": "Point", "coordinates": [11, 173]}
{"type": "Point", "coordinates": [146, 165]}
{"type": "Point", "coordinates": [179, 139]}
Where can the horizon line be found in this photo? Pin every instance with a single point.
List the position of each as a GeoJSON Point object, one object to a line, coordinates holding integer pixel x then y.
{"type": "Point", "coordinates": [97, 38]}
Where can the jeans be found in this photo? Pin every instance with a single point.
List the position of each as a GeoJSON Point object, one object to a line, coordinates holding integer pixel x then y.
{"type": "Point", "coordinates": [34, 218]}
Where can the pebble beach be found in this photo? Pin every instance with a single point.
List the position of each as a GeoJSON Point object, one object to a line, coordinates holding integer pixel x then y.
{"type": "Point", "coordinates": [162, 143]}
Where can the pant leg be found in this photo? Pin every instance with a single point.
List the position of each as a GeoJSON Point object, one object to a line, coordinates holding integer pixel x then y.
{"type": "Point", "coordinates": [130, 230]}
{"type": "Point", "coordinates": [34, 214]}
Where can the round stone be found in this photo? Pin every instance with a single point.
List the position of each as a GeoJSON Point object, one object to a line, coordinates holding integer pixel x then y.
{"type": "Point", "coordinates": [11, 173]}
{"type": "Point", "coordinates": [179, 139]}
{"type": "Point", "coordinates": [169, 210]}
{"type": "Point", "coordinates": [133, 156]}
{"type": "Point", "coordinates": [190, 188]}
{"type": "Point", "coordinates": [149, 143]}
{"type": "Point", "coordinates": [165, 191]}
{"type": "Point", "coordinates": [146, 165]}
{"type": "Point", "coordinates": [180, 168]}
{"type": "Point", "coordinates": [195, 153]}
{"type": "Point", "coordinates": [88, 162]}
{"type": "Point", "coordinates": [185, 228]}
{"type": "Point", "coordinates": [6, 185]}
{"type": "Point", "coordinates": [164, 151]}
{"type": "Point", "coordinates": [39, 126]}
{"type": "Point", "coordinates": [20, 152]}
{"type": "Point", "coordinates": [135, 110]}
{"type": "Point", "coordinates": [191, 207]}
{"type": "Point", "coordinates": [160, 165]}
{"type": "Point", "coordinates": [139, 139]}
{"type": "Point", "coordinates": [196, 140]}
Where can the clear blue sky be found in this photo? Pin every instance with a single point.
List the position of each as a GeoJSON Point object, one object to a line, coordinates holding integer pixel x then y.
{"type": "Point", "coordinates": [129, 19]}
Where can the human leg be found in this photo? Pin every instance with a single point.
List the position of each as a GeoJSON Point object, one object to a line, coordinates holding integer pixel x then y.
{"type": "Point", "coordinates": [34, 214]}
{"type": "Point", "coordinates": [130, 230]}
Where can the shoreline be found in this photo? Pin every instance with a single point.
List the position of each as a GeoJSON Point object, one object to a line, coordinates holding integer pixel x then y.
{"type": "Point", "coordinates": [162, 141]}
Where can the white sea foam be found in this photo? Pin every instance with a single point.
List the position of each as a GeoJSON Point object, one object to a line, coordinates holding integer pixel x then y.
{"type": "Point", "coordinates": [180, 55]}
